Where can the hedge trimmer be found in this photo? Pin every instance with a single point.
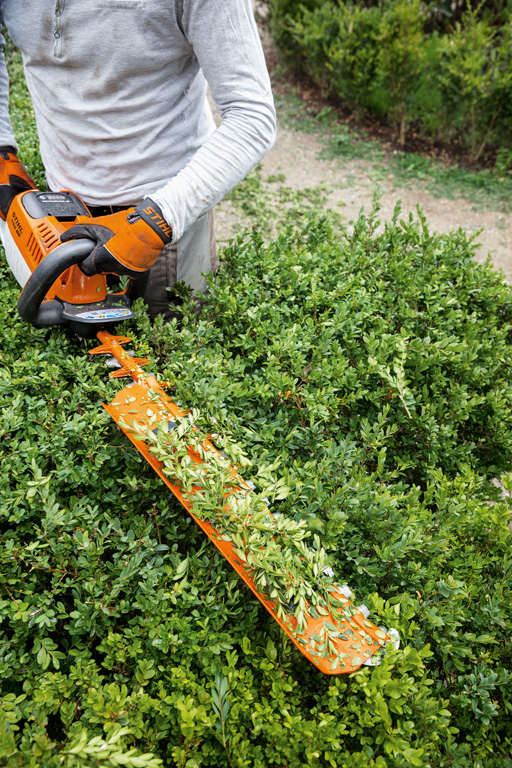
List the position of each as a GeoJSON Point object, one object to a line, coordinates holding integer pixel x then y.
{"type": "Point", "coordinates": [269, 553]}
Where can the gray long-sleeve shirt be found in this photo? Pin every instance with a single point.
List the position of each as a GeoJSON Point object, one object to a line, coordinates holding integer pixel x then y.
{"type": "Point", "coordinates": [119, 94]}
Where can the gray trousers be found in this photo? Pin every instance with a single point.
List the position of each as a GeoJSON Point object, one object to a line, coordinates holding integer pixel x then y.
{"type": "Point", "coordinates": [188, 260]}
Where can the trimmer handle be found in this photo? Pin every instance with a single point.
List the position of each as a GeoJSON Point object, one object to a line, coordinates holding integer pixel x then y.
{"type": "Point", "coordinates": [30, 302]}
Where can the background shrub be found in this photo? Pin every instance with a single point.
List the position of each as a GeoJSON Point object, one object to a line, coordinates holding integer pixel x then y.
{"type": "Point", "coordinates": [281, 12]}
{"type": "Point", "coordinates": [401, 58]}
{"type": "Point", "coordinates": [475, 74]}
{"type": "Point", "coordinates": [447, 68]}
{"type": "Point", "coordinates": [346, 52]}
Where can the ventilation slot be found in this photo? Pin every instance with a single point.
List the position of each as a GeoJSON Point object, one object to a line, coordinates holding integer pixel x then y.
{"type": "Point", "coordinates": [48, 236]}
{"type": "Point", "coordinates": [34, 250]}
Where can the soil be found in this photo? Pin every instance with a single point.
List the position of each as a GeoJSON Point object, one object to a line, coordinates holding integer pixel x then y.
{"type": "Point", "coordinates": [296, 155]}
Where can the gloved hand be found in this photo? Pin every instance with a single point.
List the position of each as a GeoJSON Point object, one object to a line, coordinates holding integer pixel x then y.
{"type": "Point", "coordinates": [14, 178]}
{"type": "Point", "coordinates": [127, 243]}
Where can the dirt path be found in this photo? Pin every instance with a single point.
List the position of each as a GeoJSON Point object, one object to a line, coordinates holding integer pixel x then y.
{"type": "Point", "coordinates": [296, 159]}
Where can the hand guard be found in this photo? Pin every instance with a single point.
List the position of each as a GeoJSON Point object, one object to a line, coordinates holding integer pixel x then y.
{"type": "Point", "coordinates": [127, 243]}
{"type": "Point", "coordinates": [14, 178]}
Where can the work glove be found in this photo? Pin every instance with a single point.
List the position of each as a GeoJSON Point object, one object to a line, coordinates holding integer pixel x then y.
{"type": "Point", "coordinates": [14, 178]}
{"type": "Point", "coordinates": [127, 243]}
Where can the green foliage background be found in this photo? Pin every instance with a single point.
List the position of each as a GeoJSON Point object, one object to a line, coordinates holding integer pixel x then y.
{"type": "Point", "coordinates": [372, 372]}
{"type": "Point", "coordinates": [446, 68]}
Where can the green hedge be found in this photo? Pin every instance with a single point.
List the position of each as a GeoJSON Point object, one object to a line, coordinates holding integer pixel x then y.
{"type": "Point", "coordinates": [373, 373]}
{"type": "Point", "coordinates": [388, 59]}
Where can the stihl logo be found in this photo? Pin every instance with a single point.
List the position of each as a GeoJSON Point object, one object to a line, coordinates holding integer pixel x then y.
{"type": "Point", "coordinates": [158, 221]}
{"type": "Point", "coordinates": [16, 225]}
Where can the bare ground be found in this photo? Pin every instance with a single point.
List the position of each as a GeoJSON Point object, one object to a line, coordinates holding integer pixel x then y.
{"type": "Point", "coordinates": [296, 156]}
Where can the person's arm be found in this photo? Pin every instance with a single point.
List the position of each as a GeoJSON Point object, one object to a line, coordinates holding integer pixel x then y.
{"type": "Point", "coordinates": [6, 133]}
{"type": "Point", "coordinates": [225, 40]}
{"type": "Point", "coordinates": [14, 177]}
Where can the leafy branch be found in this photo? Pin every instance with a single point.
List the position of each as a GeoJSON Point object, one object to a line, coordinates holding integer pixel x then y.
{"type": "Point", "coordinates": [287, 567]}
{"type": "Point", "coordinates": [98, 753]}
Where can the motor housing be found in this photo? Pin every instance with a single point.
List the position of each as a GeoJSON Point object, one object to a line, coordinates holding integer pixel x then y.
{"type": "Point", "coordinates": [55, 290]}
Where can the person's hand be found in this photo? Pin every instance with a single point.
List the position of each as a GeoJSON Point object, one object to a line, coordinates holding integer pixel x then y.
{"type": "Point", "coordinates": [14, 178]}
{"type": "Point", "coordinates": [127, 243]}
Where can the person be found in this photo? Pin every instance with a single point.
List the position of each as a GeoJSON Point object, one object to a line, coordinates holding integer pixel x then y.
{"type": "Point", "coordinates": [119, 90]}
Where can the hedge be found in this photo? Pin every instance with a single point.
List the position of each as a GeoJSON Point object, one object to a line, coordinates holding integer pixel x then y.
{"type": "Point", "coordinates": [391, 60]}
{"type": "Point", "coordinates": [371, 373]}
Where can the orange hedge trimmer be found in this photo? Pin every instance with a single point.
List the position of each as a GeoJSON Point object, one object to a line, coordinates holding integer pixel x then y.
{"type": "Point", "coordinates": [57, 292]}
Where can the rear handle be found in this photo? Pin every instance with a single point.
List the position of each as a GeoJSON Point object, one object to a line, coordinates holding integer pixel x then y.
{"type": "Point", "coordinates": [30, 302]}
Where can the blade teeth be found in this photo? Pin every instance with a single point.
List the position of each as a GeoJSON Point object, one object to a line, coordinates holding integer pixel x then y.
{"type": "Point", "coordinates": [107, 348]}
{"type": "Point", "coordinates": [140, 361]}
{"type": "Point", "coordinates": [122, 373]}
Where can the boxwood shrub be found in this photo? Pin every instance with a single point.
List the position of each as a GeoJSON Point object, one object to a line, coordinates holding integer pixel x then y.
{"type": "Point", "coordinates": [394, 59]}
{"type": "Point", "coordinates": [372, 373]}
